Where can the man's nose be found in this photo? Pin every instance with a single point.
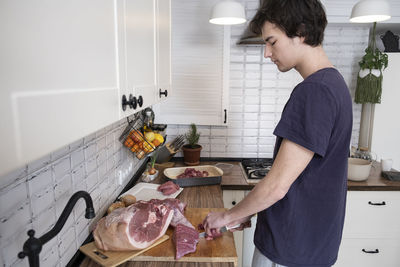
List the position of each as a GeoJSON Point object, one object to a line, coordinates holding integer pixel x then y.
{"type": "Point", "coordinates": [267, 51]}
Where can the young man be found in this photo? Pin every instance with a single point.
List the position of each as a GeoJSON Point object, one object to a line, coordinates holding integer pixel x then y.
{"type": "Point", "coordinates": [301, 201]}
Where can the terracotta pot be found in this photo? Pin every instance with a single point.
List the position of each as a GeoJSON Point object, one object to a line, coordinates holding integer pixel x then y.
{"type": "Point", "coordinates": [191, 156]}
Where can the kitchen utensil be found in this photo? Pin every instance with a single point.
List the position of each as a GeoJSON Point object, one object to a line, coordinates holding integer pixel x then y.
{"type": "Point", "coordinates": [358, 169]}
{"type": "Point", "coordinates": [214, 176]}
{"type": "Point", "coordinates": [225, 167]}
{"type": "Point", "coordinates": [223, 229]}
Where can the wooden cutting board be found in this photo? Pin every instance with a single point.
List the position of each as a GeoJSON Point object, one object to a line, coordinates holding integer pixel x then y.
{"type": "Point", "coordinates": [114, 258]}
{"type": "Point", "coordinates": [222, 249]}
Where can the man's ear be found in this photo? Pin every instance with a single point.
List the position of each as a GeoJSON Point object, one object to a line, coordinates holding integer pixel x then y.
{"type": "Point", "coordinates": [301, 32]}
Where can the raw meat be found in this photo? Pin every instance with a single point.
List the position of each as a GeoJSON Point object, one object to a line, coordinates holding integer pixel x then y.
{"type": "Point", "coordinates": [178, 208]}
{"type": "Point", "coordinates": [192, 172]}
{"type": "Point", "coordinates": [168, 188]}
{"type": "Point", "coordinates": [185, 240]}
{"type": "Point", "coordinates": [133, 228]}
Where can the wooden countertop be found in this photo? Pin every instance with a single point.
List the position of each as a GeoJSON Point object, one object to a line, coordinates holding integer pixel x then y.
{"type": "Point", "coordinates": [194, 197]}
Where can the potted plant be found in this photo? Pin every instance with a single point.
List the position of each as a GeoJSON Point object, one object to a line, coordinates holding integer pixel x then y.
{"type": "Point", "coordinates": [191, 151]}
{"type": "Point", "coordinates": [151, 172]}
{"type": "Point", "coordinates": [369, 80]}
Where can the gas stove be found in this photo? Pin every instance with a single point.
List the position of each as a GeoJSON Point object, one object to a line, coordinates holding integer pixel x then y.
{"type": "Point", "coordinates": [256, 169]}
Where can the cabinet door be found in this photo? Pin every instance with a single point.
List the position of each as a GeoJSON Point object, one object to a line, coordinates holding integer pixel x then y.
{"type": "Point", "coordinates": [57, 73]}
{"type": "Point", "coordinates": [140, 19]}
{"type": "Point", "coordinates": [369, 253]}
{"type": "Point", "coordinates": [231, 198]}
{"type": "Point", "coordinates": [164, 48]}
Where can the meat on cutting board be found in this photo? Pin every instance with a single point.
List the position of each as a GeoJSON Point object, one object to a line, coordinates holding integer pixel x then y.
{"type": "Point", "coordinates": [179, 209]}
{"type": "Point", "coordinates": [185, 239]}
{"type": "Point", "coordinates": [135, 227]}
{"type": "Point", "coordinates": [168, 188]}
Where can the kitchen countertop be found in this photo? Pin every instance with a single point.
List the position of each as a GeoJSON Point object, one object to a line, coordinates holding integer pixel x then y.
{"type": "Point", "coordinates": [211, 197]}
{"type": "Point", "coordinates": [236, 179]}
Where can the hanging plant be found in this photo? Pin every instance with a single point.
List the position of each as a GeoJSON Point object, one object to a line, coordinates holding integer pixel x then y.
{"type": "Point", "coordinates": [369, 80]}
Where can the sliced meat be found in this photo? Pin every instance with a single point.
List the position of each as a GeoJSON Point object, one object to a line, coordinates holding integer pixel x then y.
{"type": "Point", "coordinates": [192, 172]}
{"type": "Point", "coordinates": [168, 188]}
{"type": "Point", "coordinates": [178, 208]}
{"type": "Point", "coordinates": [185, 240]}
{"type": "Point", "coordinates": [133, 228]}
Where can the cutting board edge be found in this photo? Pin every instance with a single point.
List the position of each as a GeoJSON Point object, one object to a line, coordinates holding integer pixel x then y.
{"type": "Point", "coordinates": [105, 262]}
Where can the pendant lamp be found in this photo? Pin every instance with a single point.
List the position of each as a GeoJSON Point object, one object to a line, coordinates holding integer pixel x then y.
{"type": "Point", "coordinates": [227, 12]}
{"type": "Point", "coordinates": [370, 11]}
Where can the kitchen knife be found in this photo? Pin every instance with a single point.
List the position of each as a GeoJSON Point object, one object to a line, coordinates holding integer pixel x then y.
{"type": "Point", "coordinates": [223, 229]}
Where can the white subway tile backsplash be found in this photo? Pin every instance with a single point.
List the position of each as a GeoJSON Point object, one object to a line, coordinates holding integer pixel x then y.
{"type": "Point", "coordinates": [13, 196]}
{"type": "Point", "coordinates": [42, 199]}
{"type": "Point", "coordinates": [49, 258]}
{"type": "Point", "coordinates": [18, 218]}
{"type": "Point", "coordinates": [77, 157]}
{"type": "Point", "coordinates": [91, 165]}
{"type": "Point", "coordinates": [43, 222]}
{"type": "Point", "coordinates": [61, 167]}
{"type": "Point", "coordinates": [63, 186]}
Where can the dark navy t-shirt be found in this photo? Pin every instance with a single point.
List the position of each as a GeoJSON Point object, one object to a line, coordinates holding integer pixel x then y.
{"type": "Point", "coordinates": [305, 227]}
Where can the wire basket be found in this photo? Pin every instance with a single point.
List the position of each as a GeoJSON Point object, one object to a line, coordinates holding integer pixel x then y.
{"type": "Point", "coordinates": [138, 141]}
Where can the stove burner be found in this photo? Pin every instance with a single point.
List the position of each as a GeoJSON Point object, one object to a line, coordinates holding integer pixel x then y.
{"type": "Point", "coordinates": [257, 168]}
{"type": "Point", "coordinates": [258, 174]}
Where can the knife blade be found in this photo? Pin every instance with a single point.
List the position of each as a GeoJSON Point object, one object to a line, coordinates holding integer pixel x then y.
{"type": "Point", "coordinates": [223, 229]}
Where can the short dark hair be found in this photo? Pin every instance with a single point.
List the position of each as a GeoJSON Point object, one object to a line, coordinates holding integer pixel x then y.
{"type": "Point", "coordinates": [302, 18]}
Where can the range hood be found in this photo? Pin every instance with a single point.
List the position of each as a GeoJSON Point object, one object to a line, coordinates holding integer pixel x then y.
{"type": "Point", "coordinates": [250, 38]}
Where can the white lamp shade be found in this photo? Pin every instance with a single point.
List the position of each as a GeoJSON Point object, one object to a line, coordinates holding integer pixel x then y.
{"type": "Point", "coordinates": [227, 13]}
{"type": "Point", "coordinates": [370, 11]}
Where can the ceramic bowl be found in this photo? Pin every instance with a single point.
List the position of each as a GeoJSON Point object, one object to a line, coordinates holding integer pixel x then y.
{"type": "Point", "coordinates": [358, 169]}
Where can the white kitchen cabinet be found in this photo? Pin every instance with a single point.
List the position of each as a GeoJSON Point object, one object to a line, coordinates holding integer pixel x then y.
{"type": "Point", "coordinates": [244, 240]}
{"type": "Point", "coordinates": [137, 52]}
{"type": "Point", "coordinates": [231, 198]}
{"type": "Point", "coordinates": [371, 235]}
{"type": "Point", "coordinates": [66, 65]}
{"type": "Point", "coordinates": [57, 74]}
{"type": "Point", "coordinates": [164, 82]}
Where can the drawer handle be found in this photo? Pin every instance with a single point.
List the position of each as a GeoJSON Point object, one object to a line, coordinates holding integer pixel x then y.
{"type": "Point", "coordinates": [234, 202]}
{"type": "Point", "coordinates": [370, 251]}
{"type": "Point", "coordinates": [383, 203]}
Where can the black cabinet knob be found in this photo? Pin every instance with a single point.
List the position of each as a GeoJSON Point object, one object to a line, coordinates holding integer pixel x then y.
{"type": "Point", "coordinates": [140, 101]}
{"type": "Point", "coordinates": [234, 202]}
{"type": "Point", "coordinates": [132, 102]}
{"type": "Point", "coordinates": [163, 93]}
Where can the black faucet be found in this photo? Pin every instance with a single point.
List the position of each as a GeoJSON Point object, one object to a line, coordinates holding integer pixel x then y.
{"type": "Point", "coordinates": [33, 245]}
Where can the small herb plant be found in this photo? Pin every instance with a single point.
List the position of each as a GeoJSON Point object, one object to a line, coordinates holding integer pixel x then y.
{"type": "Point", "coordinates": [369, 88]}
{"type": "Point", "coordinates": [192, 136]}
{"type": "Point", "coordinates": [153, 158]}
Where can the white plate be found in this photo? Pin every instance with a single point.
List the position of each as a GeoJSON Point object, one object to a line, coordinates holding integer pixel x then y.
{"type": "Point", "coordinates": [147, 191]}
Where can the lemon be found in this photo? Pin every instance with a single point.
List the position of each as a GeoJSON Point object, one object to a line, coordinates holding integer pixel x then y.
{"type": "Point", "coordinates": [159, 137]}
{"type": "Point", "coordinates": [149, 136]}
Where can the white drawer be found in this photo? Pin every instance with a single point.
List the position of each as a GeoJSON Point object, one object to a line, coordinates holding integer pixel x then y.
{"type": "Point", "coordinates": [386, 254]}
{"type": "Point", "coordinates": [372, 214]}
